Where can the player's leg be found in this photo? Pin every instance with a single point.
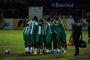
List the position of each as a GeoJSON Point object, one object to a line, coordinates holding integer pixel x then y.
{"type": "Point", "coordinates": [58, 41]}
{"type": "Point", "coordinates": [41, 40]}
{"type": "Point", "coordinates": [26, 43]}
{"type": "Point", "coordinates": [54, 44]}
{"type": "Point", "coordinates": [64, 44]}
{"type": "Point", "coordinates": [44, 42]}
{"type": "Point", "coordinates": [29, 43]}
{"type": "Point", "coordinates": [36, 46]}
{"type": "Point", "coordinates": [48, 43]}
{"type": "Point", "coordinates": [76, 43]}
{"type": "Point", "coordinates": [32, 39]}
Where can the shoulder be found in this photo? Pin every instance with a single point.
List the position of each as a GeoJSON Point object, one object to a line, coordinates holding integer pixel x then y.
{"type": "Point", "coordinates": [36, 23]}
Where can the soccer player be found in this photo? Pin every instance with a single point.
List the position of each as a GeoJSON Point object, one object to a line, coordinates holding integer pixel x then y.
{"type": "Point", "coordinates": [63, 37]}
{"type": "Point", "coordinates": [48, 33]}
{"type": "Point", "coordinates": [33, 31]}
{"type": "Point", "coordinates": [26, 38]}
{"type": "Point", "coordinates": [54, 36]}
{"type": "Point", "coordinates": [39, 37]}
{"type": "Point", "coordinates": [58, 33]}
{"type": "Point", "coordinates": [44, 24]}
{"type": "Point", "coordinates": [76, 34]}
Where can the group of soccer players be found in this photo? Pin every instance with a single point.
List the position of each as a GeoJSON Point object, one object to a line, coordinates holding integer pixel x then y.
{"type": "Point", "coordinates": [45, 35]}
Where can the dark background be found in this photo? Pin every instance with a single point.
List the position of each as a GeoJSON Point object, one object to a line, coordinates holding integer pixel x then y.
{"type": "Point", "coordinates": [19, 8]}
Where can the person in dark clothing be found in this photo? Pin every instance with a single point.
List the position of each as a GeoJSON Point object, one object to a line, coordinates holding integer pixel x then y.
{"type": "Point", "coordinates": [88, 20]}
{"type": "Point", "coordinates": [2, 23]}
{"type": "Point", "coordinates": [76, 34]}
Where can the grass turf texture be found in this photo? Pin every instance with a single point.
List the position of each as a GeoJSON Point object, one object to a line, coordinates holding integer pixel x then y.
{"type": "Point", "coordinates": [13, 40]}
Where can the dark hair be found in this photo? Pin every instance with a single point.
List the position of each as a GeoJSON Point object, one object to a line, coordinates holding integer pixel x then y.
{"type": "Point", "coordinates": [40, 22]}
{"type": "Point", "coordinates": [35, 18]}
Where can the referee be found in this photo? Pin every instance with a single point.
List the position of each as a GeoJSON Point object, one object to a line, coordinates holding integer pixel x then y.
{"type": "Point", "coordinates": [76, 34]}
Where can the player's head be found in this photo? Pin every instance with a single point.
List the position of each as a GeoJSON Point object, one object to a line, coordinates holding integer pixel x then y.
{"type": "Point", "coordinates": [40, 22]}
{"type": "Point", "coordinates": [35, 18]}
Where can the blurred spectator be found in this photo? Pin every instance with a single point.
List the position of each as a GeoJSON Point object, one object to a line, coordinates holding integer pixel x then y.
{"type": "Point", "coordinates": [2, 23]}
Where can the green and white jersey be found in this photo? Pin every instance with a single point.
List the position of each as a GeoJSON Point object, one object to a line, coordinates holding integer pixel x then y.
{"type": "Point", "coordinates": [29, 22]}
{"type": "Point", "coordinates": [40, 30]}
{"type": "Point", "coordinates": [62, 27]}
{"type": "Point", "coordinates": [44, 24]}
{"type": "Point", "coordinates": [33, 26]}
{"type": "Point", "coordinates": [49, 27]}
{"type": "Point", "coordinates": [26, 30]}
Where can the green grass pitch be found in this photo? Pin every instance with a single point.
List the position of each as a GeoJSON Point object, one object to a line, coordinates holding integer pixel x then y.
{"type": "Point", "coordinates": [13, 40]}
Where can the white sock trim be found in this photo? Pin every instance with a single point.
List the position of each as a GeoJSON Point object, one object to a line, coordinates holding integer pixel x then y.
{"type": "Point", "coordinates": [27, 49]}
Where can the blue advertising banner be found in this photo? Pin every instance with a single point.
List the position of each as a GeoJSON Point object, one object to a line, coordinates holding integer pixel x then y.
{"type": "Point", "coordinates": [62, 4]}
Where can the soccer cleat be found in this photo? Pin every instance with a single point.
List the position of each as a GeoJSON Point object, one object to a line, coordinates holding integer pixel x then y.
{"type": "Point", "coordinates": [27, 50]}
{"type": "Point", "coordinates": [58, 51]}
{"type": "Point", "coordinates": [47, 51]}
{"type": "Point", "coordinates": [35, 52]}
{"type": "Point", "coordinates": [30, 50]}
{"type": "Point", "coordinates": [54, 51]}
{"type": "Point", "coordinates": [64, 51]}
{"type": "Point", "coordinates": [41, 51]}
